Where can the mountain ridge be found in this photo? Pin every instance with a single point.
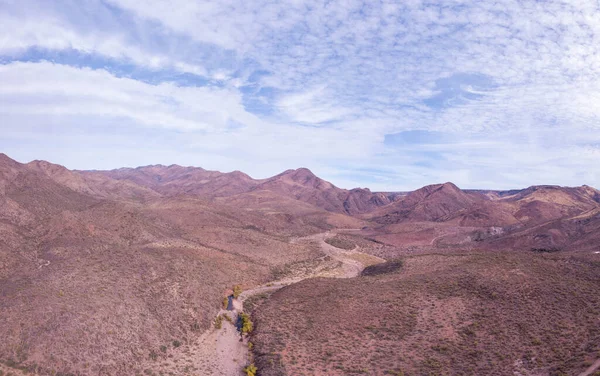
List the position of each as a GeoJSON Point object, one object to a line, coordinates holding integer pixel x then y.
{"type": "Point", "coordinates": [150, 252]}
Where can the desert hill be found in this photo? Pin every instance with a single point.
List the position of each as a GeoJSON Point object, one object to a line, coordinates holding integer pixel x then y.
{"type": "Point", "coordinates": [435, 203]}
{"type": "Point", "coordinates": [461, 313]}
{"type": "Point", "coordinates": [100, 282]}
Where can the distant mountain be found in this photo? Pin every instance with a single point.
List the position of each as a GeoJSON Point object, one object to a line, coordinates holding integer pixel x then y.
{"type": "Point", "coordinates": [176, 180]}
{"type": "Point", "coordinates": [300, 184]}
{"type": "Point", "coordinates": [97, 185]}
{"type": "Point", "coordinates": [303, 185]}
{"type": "Point", "coordinates": [438, 202]}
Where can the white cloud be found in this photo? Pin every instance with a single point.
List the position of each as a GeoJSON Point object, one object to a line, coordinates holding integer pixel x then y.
{"type": "Point", "coordinates": [43, 27]}
{"type": "Point", "coordinates": [358, 70]}
{"type": "Point", "coordinates": [312, 107]}
{"type": "Point", "coordinates": [51, 89]}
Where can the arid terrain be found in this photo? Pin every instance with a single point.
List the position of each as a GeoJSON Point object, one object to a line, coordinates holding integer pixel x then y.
{"type": "Point", "coordinates": [124, 272]}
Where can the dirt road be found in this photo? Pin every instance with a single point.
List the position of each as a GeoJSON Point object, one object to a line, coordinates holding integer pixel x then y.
{"type": "Point", "coordinates": [352, 262]}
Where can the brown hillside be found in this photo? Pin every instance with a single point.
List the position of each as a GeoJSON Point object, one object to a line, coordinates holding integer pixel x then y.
{"type": "Point", "coordinates": [481, 314]}
{"type": "Point", "coordinates": [91, 285]}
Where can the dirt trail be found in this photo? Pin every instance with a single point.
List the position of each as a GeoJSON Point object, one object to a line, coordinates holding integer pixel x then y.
{"type": "Point", "coordinates": [219, 352]}
{"type": "Point", "coordinates": [352, 262]}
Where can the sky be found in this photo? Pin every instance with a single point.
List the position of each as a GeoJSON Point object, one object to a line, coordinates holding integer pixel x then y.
{"type": "Point", "coordinates": [390, 95]}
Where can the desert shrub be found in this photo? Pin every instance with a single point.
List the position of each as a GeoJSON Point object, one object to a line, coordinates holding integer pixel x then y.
{"type": "Point", "coordinates": [153, 355]}
{"type": "Point", "coordinates": [339, 242]}
{"type": "Point", "coordinates": [225, 302]}
{"type": "Point", "coordinates": [374, 241]}
{"type": "Point", "coordinates": [176, 343]}
{"type": "Point", "coordinates": [247, 324]}
{"type": "Point", "coordinates": [252, 227]}
{"type": "Point", "coordinates": [237, 291]}
{"type": "Point", "coordinates": [478, 236]}
{"type": "Point", "coordinates": [163, 348]}
{"type": "Point", "coordinates": [250, 370]}
{"type": "Point", "coordinates": [227, 317]}
{"type": "Point", "coordinates": [545, 250]}
{"type": "Point", "coordinates": [395, 373]}
{"type": "Point", "coordinates": [219, 322]}
{"type": "Point", "coordinates": [384, 268]}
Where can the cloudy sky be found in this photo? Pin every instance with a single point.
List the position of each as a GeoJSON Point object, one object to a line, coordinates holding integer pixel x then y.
{"type": "Point", "coordinates": [391, 95]}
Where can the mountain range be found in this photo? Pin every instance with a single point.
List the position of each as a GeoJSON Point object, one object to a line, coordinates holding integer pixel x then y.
{"type": "Point", "coordinates": [97, 267]}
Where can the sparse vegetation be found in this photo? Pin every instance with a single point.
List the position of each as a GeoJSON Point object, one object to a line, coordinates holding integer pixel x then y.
{"type": "Point", "coordinates": [237, 291]}
{"type": "Point", "coordinates": [466, 313]}
{"type": "Point", "coordinates": [250, 370]}
{"type": "Point", "coordinates": [219, 322]}
{"type": "Point", "coordinates": [340, 242]}
{"type": "Point", "coordinates": [384, 268]}
{"type": "Point", "coordinates": [228, 318]}
{"type": "Point", "coordinates": [255, 301]}
{"type": "Point", "coordinates": [546, 250]}
{"type": "Point", "coordinates": [247, 324]}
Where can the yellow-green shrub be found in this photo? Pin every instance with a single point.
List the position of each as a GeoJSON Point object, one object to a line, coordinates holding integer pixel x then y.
{"type": "Point", "coordinates": [237, 290]}
{"type": "Point", "coordinates": [219, 322]}
{"type": "Point", "coordinates": [247, 324]}
{"type": "Point", "coordinates": [251, 370]}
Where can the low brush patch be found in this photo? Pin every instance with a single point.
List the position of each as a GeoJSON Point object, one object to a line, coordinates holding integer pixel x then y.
{"type": "Point", "coordinates": [545, 250]}
{"type": "Point", "coordinates": [340, 242]}
{"type": "Point", "coordinates": [383, 268]}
